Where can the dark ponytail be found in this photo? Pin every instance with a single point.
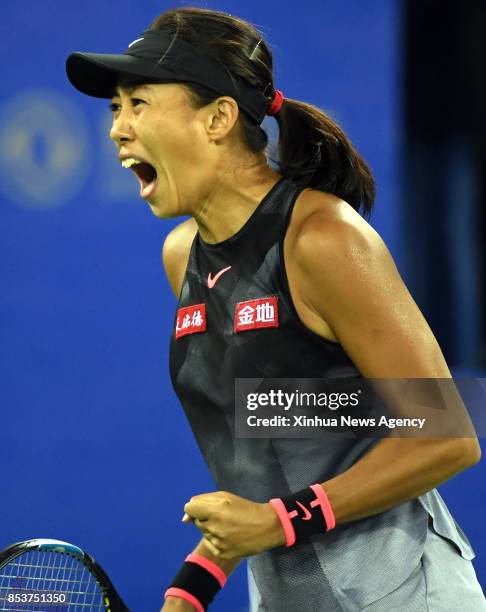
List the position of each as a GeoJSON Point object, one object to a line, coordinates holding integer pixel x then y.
{"type": "Point", "coordinates": [312, 149]}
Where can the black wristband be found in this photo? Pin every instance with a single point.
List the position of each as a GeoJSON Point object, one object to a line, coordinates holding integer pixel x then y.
{"type": "Point", "coordinates": [198, 579]}
{"type": "Point", "coordinates": [305, 513]}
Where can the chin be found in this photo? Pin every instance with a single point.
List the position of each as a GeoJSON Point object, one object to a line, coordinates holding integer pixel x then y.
{"type": "Point", "coordinates": [161, 213]}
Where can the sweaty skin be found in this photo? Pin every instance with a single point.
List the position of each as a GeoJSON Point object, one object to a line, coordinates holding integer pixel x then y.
{"type": "Point", "coordinates": [335, 260]}
{"type": "Point", "coordinates": [344, 284]}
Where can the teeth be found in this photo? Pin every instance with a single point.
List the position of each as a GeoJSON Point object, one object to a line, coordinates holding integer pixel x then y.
{"type": "Point", "coordinates": [129, 162]}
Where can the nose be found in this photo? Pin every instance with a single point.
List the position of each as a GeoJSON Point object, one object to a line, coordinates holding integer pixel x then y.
{"type": "Point", "coordinates": [121, 130]}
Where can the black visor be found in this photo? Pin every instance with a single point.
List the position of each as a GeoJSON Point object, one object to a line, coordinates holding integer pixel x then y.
{"type": "Point", "coordinates": [158, 57]}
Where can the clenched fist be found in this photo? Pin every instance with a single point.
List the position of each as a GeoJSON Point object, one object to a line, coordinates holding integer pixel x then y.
{"type": "Point", "coordinates": [233, 526]}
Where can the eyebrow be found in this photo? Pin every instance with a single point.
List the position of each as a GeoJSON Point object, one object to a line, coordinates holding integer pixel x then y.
{"type": "Point", "coordinates": [129, 88]}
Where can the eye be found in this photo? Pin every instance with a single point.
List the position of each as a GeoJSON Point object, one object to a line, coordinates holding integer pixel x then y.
{"type": "Point", "coordinates": [114, 107]}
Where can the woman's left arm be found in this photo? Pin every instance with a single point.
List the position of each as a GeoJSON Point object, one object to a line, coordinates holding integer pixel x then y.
{"type": "Point", "coordinates": [347, 276]}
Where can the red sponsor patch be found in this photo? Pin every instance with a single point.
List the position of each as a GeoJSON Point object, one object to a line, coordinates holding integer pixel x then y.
{"type": "Point", "coordinates": [190, 320]}
{"type": "Point", "coordinates": [253, 314]}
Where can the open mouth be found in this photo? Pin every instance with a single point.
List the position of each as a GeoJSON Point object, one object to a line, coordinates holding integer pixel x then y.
{"type": "Point", "coordinates": [147, 177]}
{"type": "Point", "coordinates": [146, 174]}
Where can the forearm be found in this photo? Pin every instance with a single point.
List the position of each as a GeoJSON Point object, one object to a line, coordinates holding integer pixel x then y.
{"type": "Point", "coordinates": [227, 565]}
{"type": "Point", "coordinates": [396, 470]}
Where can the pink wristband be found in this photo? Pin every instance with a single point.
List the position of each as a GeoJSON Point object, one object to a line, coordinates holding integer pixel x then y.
{"type": "Point", "coordinates": [209, 566]}
{"type": "Point", "coordinates": [325, 506]}
{"type": "Point", "coordinates": [279, 507]}
{"type": "Point", "coordinates": [181, 594]}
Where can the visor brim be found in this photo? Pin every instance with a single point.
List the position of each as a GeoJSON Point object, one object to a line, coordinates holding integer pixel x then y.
{"type": "Point", "coordinates": [97, 74]}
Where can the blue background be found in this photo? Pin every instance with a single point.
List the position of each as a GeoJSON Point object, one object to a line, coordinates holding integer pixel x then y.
{"type": "Point", "coordinates": [94, 445]}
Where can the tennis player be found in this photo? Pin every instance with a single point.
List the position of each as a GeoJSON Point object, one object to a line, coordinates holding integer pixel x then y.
{"type": "Point", "coordinates": [279, 275]}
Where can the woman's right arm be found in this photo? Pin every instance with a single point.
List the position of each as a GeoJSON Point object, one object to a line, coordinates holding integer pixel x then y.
{"type": "Point", "coordinates": [175, 255]}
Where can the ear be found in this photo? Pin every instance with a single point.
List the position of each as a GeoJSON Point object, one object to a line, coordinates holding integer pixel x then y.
{"type": "Point", "coordinates": [221, 117]}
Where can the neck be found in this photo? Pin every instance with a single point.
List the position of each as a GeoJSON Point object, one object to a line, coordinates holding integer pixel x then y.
{"type": "Point", "coordinates": [232, 200]}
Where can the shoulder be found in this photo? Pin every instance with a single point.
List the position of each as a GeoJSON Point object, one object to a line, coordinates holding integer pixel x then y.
{"type": "Point", "coordinates": [323, 224]}
{"type": "Point", "coordinates": [337, 261]}
{"type": "Point", "coordinates": [175, 252]}
{"type": "Point", "coordinates": [328, 238]}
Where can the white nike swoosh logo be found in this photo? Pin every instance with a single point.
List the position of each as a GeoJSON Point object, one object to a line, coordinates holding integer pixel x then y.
{"type": "Point", "coordinates": [135, 41]}
{"type": "Point", "coordinates": [213, 281]}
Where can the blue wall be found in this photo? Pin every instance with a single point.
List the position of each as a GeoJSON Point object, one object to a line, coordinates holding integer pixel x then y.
{"type": "Point", "coordinates": [94, 445]}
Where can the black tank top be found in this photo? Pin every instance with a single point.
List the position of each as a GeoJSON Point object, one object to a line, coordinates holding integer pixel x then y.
{"type": "Point", "coordinates": [235, 319]}
{"type": "Point", "coordinates": [234, 343]}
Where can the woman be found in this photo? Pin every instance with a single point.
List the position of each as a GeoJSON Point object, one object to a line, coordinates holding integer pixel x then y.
{"type": "Point", "coordinates": [278, 275]}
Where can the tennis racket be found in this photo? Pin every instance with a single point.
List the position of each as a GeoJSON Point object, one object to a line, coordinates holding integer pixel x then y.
{"type": "Point", "coordinates": [50, 575]}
